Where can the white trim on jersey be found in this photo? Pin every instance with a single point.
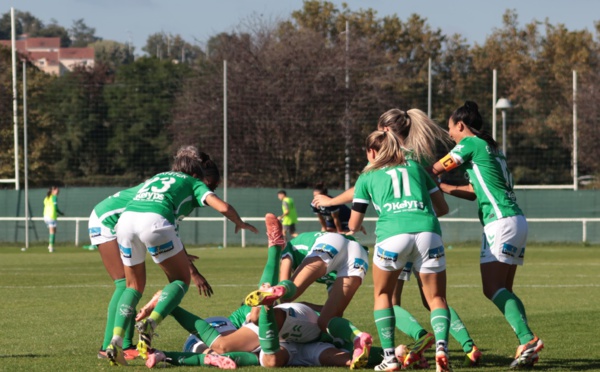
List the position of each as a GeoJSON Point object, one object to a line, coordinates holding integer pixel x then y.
{"type": "Point", "coordinates": [110, 213]}
{"type": "Point", "coordinates": [487, 191]}
{"type": "Point", "coordinates": [362, 201]}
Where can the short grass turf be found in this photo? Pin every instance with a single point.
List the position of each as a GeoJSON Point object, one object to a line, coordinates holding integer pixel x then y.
{"type": "Point", "coordinates": [53, 306]}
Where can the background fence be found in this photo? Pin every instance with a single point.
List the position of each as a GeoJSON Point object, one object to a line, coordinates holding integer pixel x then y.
{"type": "Point", "coordinates": [553, 215]}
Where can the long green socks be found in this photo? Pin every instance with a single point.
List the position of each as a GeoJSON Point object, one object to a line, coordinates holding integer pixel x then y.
{"type": "Point", "coordinates": [125, 312]}
{"type": "Point", "coordinates": [459, 332]}
{"type": "Point", "coordinates": [172, 295]}
{"type": "Point", "coordinates": [440, 323]}
{"type": "Point", "coordinates": [242, 359]}
{"type": "Point", "coordinates": [407, 324]}
{"type": "Point", "coordinates": [514, 312]}
{"type": "Point", "coordinates": [51, 239]}
{"type": "Point", "coordinates": [196, 325]}
{"type": "Point", "coordinates": [385, 321]}
{"type": "Point", "coordinates": [342, 329]}
{"type": "Point", "coordinates": [268, 333]}
{"type": "Point", "coordinates": [271, 271]}
{"type": "Point", "coordinates": [110, 318]}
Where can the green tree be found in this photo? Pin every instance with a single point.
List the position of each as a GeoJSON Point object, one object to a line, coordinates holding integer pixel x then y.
{"type": "Point", "coordinates": [75, 107]}
{"type": "Point", "coordinates": [140, 103]}
{"type": "Point", "coordinates": [112, 53]}
{"type": "Point", "coordinates": [81, 34]}
{"type": "Point", "coordinates": [40, 147]}
{"type": "Point", "coordinates": [171, 48]}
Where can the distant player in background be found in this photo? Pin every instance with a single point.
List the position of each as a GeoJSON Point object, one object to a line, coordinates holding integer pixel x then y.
{"type": "Point", "coordinates": [504, 224]}
{"type": "Point", "coordinates": [289, 217]}
{"type": "Point", "coordinates": [149, 223]}
{"type": "Point", "coordinates": [407, 230]}
{"type": "Point", "coordinates": [51, 213]}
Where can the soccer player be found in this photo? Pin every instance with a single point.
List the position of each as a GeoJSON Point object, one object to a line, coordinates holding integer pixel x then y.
{"type": "Point", "coordinates": [294, 323]}
{"type": "Point", "coordinates": [51, 213]}
{"type": "Point", "coordinates": [334, 218]}
{"type": "Point", "coordinates": [148, 223]}
{"type": "Point", "coordinates": [289, 217]}
{"type": "Point", "coordinates": [504, 225]}
{"type": "Point", "coordinates": [407, 202]}
{"type": "Point", "coordinates": [420, 137]}
{"type": "Point", "coordinates": [328, 253]}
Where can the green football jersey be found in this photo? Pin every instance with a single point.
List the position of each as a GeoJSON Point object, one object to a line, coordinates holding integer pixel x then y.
{"type": "Point", "coordinates": [490, 178]}
{"type": "Point", "coordinates": [173, 195]}
{"type": "Point", "coordinates": [238, 316]}
{"type": "Point", "coordinates": [109, 210]}
{"type": "Point", "coordinates": [401, 199]}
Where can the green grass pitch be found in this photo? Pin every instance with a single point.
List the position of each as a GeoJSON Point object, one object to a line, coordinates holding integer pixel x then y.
{"type": "Point", "coordinates": [53, 305]}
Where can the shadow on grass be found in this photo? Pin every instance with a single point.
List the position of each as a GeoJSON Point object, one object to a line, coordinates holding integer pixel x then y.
{"type": "Point", "coordinates": [2, 356]}
{"type": "Point", "coordinates": [546, 363]}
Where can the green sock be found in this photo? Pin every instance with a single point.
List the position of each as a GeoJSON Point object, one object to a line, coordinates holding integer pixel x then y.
{"type": "Point", "coordinates": [112, 311]}
{"type": "Point", "coordinates": [271, 271]}
{"type": "Point", "coordinates": [242, 359]}
{"type": "Point", "coordinates": [129, 328]}
{"type": "Point", "coordinates": [521, 307]}
{"type": "Point", "coordinates": [384, 321]}
{"type": "Point", "coordinates": [173, 294]}
{"type": "Point", "coordinates": [51, 239]}
{"type": "Point", "coordinates": [125, 310]}
{"type": "Point", "coordinates": [268, 334]}
{"type": "Point", "coordinates": [290, 289]}
{"type": "Point", "coordinates": [407, 324]}
{"type": "Point", "coordinates": [508, 303]}
{"type": "Point", "coordinates": [343, 329]}
{"type": "Point", "coordinates": [459, 331]}
{"type": "Point", "coordinates": [440, 323]}
{"type": "Point", "coordinates": [196, 325]}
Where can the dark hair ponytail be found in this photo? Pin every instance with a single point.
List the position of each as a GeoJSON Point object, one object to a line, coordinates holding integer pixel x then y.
{"type": "Point", "coordinates": [470, 116]}
{"type": "Point", "coordinates": [321, 188]}
{"type": "Point", "coordinates": [210, 170]}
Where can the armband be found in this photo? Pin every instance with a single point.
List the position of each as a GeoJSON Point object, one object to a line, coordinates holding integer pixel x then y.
{"type": "Point", "coordinates": [448, 162]}
{"type": "Point", "coordinates": [359, 207]}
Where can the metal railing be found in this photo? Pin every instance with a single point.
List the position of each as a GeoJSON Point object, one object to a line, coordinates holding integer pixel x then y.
{"type": "Point", "coordinates": [78, 220]}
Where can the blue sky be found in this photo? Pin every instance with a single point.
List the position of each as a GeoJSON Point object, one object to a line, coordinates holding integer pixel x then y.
{"type": "Point", "coordinates": [134, 20]}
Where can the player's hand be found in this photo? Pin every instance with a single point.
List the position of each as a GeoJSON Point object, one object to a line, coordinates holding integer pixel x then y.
{"type": "Point", "coordinates": [246, 226]}
{"type": "Point", "coordinates": [321, 201]}
{"type": "Point", "coordinates": [202, 284]}
{"type": "Point", "coordinates": [192, 258]}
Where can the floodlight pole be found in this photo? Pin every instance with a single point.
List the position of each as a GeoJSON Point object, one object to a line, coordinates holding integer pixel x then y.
{"type": "Point", "coordinates": [225, 148]}
{"type": "Point", "coordinates": [25, 158]}
{"type": "Point", "coordinates": [575, 171]}
{"type": "Point", "coordinates": [14, 80]}
{"type": "Point", "coordinates": [347, 118]}
{"type": "Point", "coordinates": [494, 100]}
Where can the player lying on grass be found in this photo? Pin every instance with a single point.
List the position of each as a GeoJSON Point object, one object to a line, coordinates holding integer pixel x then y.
{"type": "Point", "coordinates": [325, 253]}
{"type": "Point", "coordinates": [295, 322]}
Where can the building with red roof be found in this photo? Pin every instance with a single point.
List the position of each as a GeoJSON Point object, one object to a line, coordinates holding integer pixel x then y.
{"type": "Point", "coordinates": [46, 54]}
